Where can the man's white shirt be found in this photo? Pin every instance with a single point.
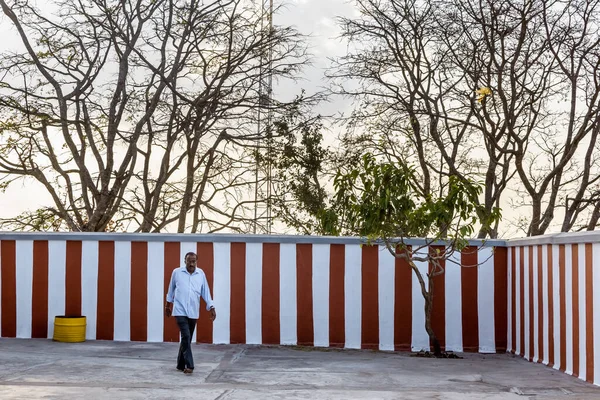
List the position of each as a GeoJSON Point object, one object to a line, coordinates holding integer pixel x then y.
{"type": "Point", "coordinates": [185, 291]}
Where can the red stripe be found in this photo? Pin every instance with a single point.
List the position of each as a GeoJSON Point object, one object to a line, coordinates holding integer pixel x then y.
{"type": "Point", "coordinates": [540, 292]}
{"type": "Point", "coordinates": [589, 313]}
{"type": "Point", "coordinates": [470, 321]}
{"type": "Point", "coordinates": [8, 266]}
{"type": "Point", "coordinates": [237, 319]}
{"type": "Point", "coordinates": [172, 261]}
{"type": "Point", "coordinates": [522, 300]}
{"type": "Point", "coordinates": [513, 257]}
{"type": "Point", "coordinates": [370, 312]}
{"type": "Point", "coordinates": [305, 325]}
{"type": "Point", "coordinates": [106, 291]}
{"type": "Point", "coordinates": [438, 311]}
{"type": "Point", "coordinates": [270, 294]}
{"type": "Point", "coordinates": [39, 305]}
{"type": "Point", "coordinates": [563, 311]}
{"type": "Point", "coordinates": [73, 279]}
{"type": "Point", "coordinates": [139, 291]}
{"type": "Point", "coordinates": [550, 309]}
{"type": "Point", "coordinates": [531, 309]}
{"type": "Point", "coordinates": [206, 262]}
{"type": "Point", "coordinates": [575, 305]}
{"type": "Point", "coordinates": [500, 298]}
{"type": "Point", "coordinates": [402, 303]}
{"type": "Point", "coordinates": [337, 326]}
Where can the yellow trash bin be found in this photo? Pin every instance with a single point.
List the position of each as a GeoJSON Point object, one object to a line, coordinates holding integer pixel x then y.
{"type": "Point", "coordinates": [69, 329]}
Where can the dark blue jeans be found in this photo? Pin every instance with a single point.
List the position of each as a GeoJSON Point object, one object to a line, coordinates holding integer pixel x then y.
{"type": "Point", "coordinates": [186, 327]}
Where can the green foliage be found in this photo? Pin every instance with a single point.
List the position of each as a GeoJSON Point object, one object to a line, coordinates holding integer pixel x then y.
{"type": "Point", "coordinates": [300, 164]}
{"type": "Point", "coordinates": [380, 200]}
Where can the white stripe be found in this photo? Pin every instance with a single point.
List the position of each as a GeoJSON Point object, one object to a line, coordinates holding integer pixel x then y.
{"type": "Point", "coordinates": [582, 312]}
{"type": "Point", "coordinates": [545, 300]}
{"type": "Point", "coordinates": [184, 248]}
{"type": "Point", "coordinates": [420, 339]}
{"type": "Point", "coordinates": [556, 303]}
{"type": "Point", "coordinates": [57, 265]}
{"type": "Point", "coordinates": [253, 293]}
{"type": "Point", "coordinates": [189, 247]}
{"type": "Point", "coordinates": [509, 328]}
{"type": "Point", "coordinates": [288, 309]}
{"type": "Point", "coordinates": [122, 329]}
{"type": "Point", "coordinates": [536, 306]}
{"type": "Point", "coordinates": [569, 306]}
{"type": "Point", "coordinates": [156, 288]}
{"type": "Point", "coordinates": [526, 280]}
{"type": "Point", "coordinates": [386, 298]}
{"type": "Point", "coordinates": [353, 296]}
{"type": "Point", "coordinates": [89, 286]}
{"type": "Point", "coordinates": [453, 287]}
{"type": "Point", "coordinates": [596, 309]}
{"type": "Point", "coordinates": [222, 292]}
{"type": "Point", "coordinates": [517, 297]}
{"type": "Point", "coordinates": [24, 282]}
{"type": "Point", "coordinates": [320, 292]}
{"type": "Point", "coordinates": [485, 300]}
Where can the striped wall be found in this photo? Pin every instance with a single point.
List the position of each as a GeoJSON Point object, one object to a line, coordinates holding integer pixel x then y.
{"type": "Point", "coordinates": [554, 302]}
{"type": "Point", "coordinates": [307, 291]}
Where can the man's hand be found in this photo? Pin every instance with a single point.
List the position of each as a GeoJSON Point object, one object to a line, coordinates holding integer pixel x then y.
{"type": "Point", "coordinates": [213, 314]}
{"type": "Point", "coordinates": [168, 310]}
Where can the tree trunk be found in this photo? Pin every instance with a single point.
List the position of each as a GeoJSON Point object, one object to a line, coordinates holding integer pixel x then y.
{"type": "Point", "coordinates": [595, 217]}
{"type": "Point", "coordinates": [437, 350]}
{"type": "Point", "coordinates": [428, 296]}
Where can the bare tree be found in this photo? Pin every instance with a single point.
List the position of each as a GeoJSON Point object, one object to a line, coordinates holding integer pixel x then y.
{"type": "Point", "coordinates": [574, 30]}
{"type": "Point", "coordinates": [140, 115]}
{"type": "Point", "coordinates": [542, 68]}
{"type": "Point", "coordinates": [478, 88]}
{"type": "Point", "coordinates": [414, 103]}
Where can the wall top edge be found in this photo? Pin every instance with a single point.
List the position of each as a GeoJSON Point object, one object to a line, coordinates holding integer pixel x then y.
{"type": "Point", "coordinates": [217, 237]}
{"type": "Point", "coordinates": [557, 238]}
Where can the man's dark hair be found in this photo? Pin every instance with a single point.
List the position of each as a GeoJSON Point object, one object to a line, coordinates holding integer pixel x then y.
{"type": "Point", "coordinates": [189, 254]}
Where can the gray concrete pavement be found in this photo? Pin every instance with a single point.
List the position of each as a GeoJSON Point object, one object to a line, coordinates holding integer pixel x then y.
{"type": "Point", "coordinates": [36, 369]}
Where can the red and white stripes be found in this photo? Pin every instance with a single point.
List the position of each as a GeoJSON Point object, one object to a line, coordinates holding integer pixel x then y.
{"type": "Point", "coordinates": [316, 294]}
{"type": "Point", "coordinates": [554, 306]}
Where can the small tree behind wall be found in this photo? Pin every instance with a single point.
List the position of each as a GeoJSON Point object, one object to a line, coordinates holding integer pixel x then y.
{"type": "Point", "coordinates": [382, 201]}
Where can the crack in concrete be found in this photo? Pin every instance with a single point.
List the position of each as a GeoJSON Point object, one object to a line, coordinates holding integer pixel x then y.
{"type": "Point", "coordinates": [227, 386]}
{"type": "Point", "coordinates": [11, 376]}
{"type": "Point", "coordinates": [228, 359]}
{"type": "Point", "coordinates": [94, 355]}
{"type": "Point", "coordinates": [225, 394]}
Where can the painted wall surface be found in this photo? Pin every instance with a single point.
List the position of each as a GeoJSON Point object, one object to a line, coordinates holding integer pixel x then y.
{"type": "Point", "coordinates": [286, 290]}
{"type": "Point", "coordinates": [554, 302]}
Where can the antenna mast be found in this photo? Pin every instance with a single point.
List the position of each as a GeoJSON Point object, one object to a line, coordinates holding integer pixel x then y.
{"type": "Point", "coordinates": [265, 115]}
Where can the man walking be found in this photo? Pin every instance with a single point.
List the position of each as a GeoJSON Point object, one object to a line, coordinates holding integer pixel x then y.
{"type": "Point", "coordinates": [188, 284]}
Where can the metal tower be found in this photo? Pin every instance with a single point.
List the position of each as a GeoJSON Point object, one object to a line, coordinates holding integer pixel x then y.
{"type": "Point", "coordinates": [264, 120]}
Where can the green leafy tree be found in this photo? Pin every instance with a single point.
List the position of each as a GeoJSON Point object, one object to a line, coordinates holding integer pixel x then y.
{"type": "Point", "coordinates": [301, 163]}
{"type": "Point", "coordinates": [383, 201]}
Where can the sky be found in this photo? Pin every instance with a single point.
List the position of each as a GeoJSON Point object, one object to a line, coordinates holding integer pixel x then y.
{"type": "Point", "coordinates": [315, 18]}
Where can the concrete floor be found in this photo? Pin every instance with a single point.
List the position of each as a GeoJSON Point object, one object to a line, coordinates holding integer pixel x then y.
{"type": "Point", "coordinates": [36, 369]}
